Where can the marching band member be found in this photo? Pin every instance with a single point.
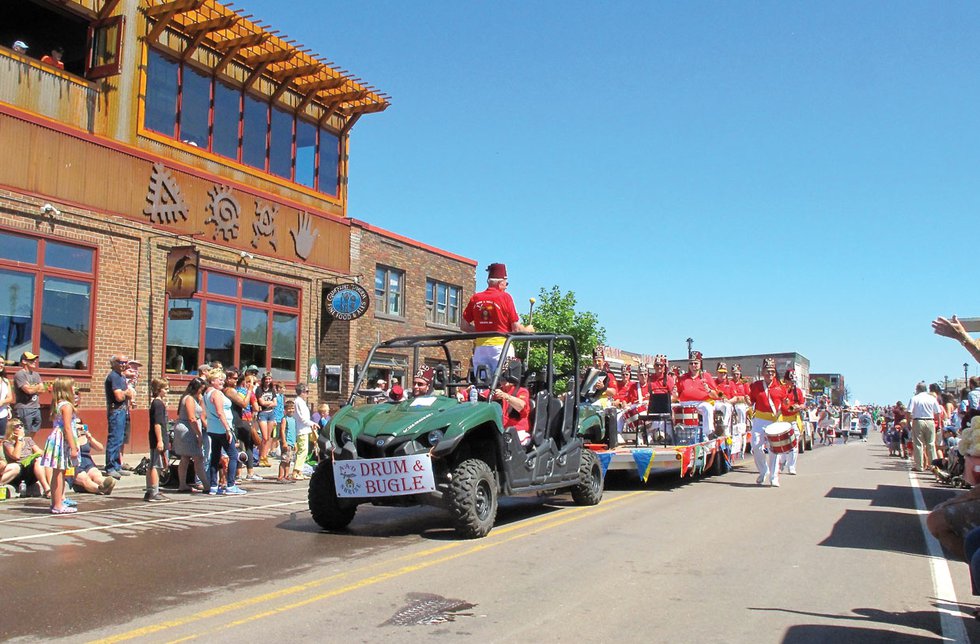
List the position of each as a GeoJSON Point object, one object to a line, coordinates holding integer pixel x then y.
{"type": "Point", "coordinates": [698, 386]}
{"type": "Point", "coordinates": [790, 410]}
{"type": "Point", "coordinates": [661, 382]}
{"type": "Point", "coordinates": [766, 396]}
{"type": "Point", "coordinates": [741, 400]}
{"type": "Point", "coordinates": [607, 390]}
{"type": "Point", "coordinates": [627, 400]}
{"type": "Point", "coordinates": [726, 387]}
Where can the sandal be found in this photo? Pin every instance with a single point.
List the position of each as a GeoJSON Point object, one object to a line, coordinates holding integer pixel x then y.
{"type": "Point", "coordinates": [64, 510]}
{"type": "Point", "coordinates": [46, 494]}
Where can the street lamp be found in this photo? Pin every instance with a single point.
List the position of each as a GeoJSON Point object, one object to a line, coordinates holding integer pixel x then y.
{"type": "Point", "coordinates": [966, 375]}
{"type": "Point", "coordinates": [689, 341]}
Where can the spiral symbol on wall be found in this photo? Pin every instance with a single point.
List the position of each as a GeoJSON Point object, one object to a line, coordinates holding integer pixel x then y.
{"type": "Point", "coordinates": [225, 212]}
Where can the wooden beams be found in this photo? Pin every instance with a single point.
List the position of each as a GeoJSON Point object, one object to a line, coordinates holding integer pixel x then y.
{"type": "Point", "coordinates": [287, 75]}
{"type": "Point", "coordinates": [164, 14]}
{"type": "Point", "coordinates": [106, 9]}
{"type": "Point", "coordinates": [259, 62]}
{"type": "Point", "coordinates": [199, 30]}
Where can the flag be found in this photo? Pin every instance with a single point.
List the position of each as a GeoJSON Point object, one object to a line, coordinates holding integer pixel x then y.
{"type": "Point", "coordinates": [605, 458]}
{"type": "Point", "coordinates": [643, 458]}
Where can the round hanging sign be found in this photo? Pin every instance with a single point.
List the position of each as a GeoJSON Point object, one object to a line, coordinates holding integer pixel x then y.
{"type": "Point", "coordinates": [347, 301]}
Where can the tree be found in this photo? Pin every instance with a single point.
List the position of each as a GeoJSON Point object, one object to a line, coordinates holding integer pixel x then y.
{"type": "Point", "coordinates": [555, 313]}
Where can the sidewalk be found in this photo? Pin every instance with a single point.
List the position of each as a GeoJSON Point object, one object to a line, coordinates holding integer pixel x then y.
{"type": "Point", "coordinates": [132, 483]}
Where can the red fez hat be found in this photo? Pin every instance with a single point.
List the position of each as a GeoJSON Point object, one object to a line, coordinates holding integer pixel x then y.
{"type": "Point", "coordinates": [425, 373]}
{"type": "Point", "coordinates": [497, 271]}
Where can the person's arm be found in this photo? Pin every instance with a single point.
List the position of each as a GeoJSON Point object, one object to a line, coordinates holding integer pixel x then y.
{"type": "Point", "coordinates": [953, 328]}
{"type": "Point", "coordinates": [232, 394]}
{"type": "Point", "coordinates": [282, 435]}
{"type": "Point", "coordinates": [190, 410]}
{"type": "Point", "coordinates": [9, 398]}
{"type": "Point", "coordinates": [93, 441]}
{"type": "Point", "coordinates": [219, 406]}
{"type": "Point", "coordinates": [11, 449]}
{"type": "Point", "coordinates": [157, 428]}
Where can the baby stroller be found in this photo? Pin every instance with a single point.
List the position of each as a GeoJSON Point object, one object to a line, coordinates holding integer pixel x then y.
{"type": "Point", "coordinates": [950, 469]}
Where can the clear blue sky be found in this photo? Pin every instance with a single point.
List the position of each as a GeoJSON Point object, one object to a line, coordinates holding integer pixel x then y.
{"type": "Point", "coordinates": [760, 176]}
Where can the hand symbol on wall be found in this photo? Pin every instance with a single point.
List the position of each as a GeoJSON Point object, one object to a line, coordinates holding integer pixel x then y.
{"type": "Point", "coordinates": [304, 235]}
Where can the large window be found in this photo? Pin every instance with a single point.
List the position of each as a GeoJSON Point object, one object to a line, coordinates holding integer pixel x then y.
{"type": "Point", "coordinates": [190, 105]}
{"type": "Point", "coordinates": [46, 301]}
{"type": "Point", "coordinates": [389, 284]}
{"type": "Point", "coordinates": [237, 321]}
{"type": "Point", "coordinates": [442, 303]}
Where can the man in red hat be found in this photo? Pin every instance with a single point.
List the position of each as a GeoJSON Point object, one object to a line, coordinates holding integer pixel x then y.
{"type": "Point", "coordinates": [698, 386]}
{"type": "Point", "coordinates": [422, 383]}
{"type": "Point", "coordinates": [767, 397]}
{"type": "Point", "coordinates": [726, 386]}
{"type": "Point", "coordinates": [493, 311]}
{"type": "Point", "coordinates": [789, 412]}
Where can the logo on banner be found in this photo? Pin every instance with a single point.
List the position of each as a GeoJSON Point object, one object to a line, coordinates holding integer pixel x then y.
{"type": "Point", "coordinates": [394, 476]}
{"type": "Point", "coordinates": [347, 302]}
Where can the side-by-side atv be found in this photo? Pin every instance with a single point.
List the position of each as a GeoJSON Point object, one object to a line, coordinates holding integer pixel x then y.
{"type": "Point", "coordinates": [450, 447]}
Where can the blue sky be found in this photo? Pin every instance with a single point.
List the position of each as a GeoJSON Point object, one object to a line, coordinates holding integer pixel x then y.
{"type": "Point", "coordinates": [759, 176]}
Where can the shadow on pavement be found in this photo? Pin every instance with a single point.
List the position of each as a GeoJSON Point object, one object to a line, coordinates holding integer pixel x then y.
{"type": "Point", "coordinates": [877, 530]}
{"type": "Point", "coordinates": [862, 626]}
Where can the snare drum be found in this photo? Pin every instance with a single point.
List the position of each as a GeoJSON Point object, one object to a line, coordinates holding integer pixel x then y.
{"type": "Point", "coordinates": [685, 414]}
{"type": "Point", "coordinates": [781, 437]}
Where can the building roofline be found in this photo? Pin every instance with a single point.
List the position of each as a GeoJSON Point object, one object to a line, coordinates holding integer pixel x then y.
{"type": "Point", "coordinates": [411, 242]}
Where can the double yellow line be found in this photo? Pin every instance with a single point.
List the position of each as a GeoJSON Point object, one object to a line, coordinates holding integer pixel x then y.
{"type": "Point", "coordinates": [440, 554]}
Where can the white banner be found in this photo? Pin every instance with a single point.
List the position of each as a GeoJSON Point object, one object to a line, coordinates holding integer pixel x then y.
{"type": "Point", "coordinates": [394, 476]}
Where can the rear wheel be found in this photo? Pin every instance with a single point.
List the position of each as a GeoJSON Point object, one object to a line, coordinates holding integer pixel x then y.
{"type": "Point", "coordinates": [329, 512]}
{"type": "Point", "coordinates": [590, 484]}
{"type": "Point", "coordinates": [473, 499]}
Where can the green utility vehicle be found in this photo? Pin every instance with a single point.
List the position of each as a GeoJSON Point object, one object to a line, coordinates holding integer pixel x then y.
{"type": "Point", "coordinates": [450, 447]}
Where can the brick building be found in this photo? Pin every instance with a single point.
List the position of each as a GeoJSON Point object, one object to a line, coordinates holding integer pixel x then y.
{"type": "Point", "coordinates": [182, 145]}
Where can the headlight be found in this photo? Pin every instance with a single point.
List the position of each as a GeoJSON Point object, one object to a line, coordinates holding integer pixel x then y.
{"type": "Point", "coordinates": [435, 436]}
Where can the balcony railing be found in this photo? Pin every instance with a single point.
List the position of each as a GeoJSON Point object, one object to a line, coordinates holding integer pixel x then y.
{"type": "Point", "coordinates": [34, 87]}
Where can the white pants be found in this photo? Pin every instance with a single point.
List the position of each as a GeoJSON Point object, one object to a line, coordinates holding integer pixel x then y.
{"type": "Point", "coordinates": [789, 458]}
{"type": "Point", "coordinates": [765, 463]}
{"type": "Point", "coordinates": [707, 412]}
{"type": "Point", "coordinates": [488, 356]}
{"type": "Point", "coordinates": [726, 410]}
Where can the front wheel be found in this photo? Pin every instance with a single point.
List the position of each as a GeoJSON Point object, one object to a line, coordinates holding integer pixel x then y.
{"type": "Point", "coordinates": [473, 499]}
{"type": "Point", "coordinates": [327, 510]}
{"type": "Point", "coordinates": [590, 483]}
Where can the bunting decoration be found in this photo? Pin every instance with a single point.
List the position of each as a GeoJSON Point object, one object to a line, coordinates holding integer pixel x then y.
{"type": "Point", "coordinates": [644, 458]}
{"type": "Point", "coordinates": [605, 458]}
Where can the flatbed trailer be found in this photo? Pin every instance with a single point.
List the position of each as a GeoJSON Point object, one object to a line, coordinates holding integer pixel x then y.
{"type": "Point", "coordinates": [706, 457]}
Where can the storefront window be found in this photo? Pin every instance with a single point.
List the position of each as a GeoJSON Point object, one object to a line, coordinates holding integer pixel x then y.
{"type": "Point", "coordinates": [161, 93]}
{"type": "Point", "coordinates": [239, 327]}
{"type": "Point", "coordinates": [441, 303]}
{"type": "Point", "coordinates": [195, 107]}
{"type": "Point", "coordinates": [227, 113]}
{"type": "Point", "coordinates": [46, 301]}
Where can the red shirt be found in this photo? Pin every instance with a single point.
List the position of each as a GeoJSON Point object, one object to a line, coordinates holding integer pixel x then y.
{"type": "Point", "coordinates": [491, 310]}
{"type": "Point", "coordinates": [51, 61]}
{"type": "Point", "coordinates": [518, 419]}
{"type": "Point", "coordinates": [657, 385]}
{"type": "Point", "coordinates": [727, 387]}
{"type": "Point", "coordinates": [628, 393]}
{"type": "Point", "coordinates": [794, 396]}
{"type": "Point", "coordinates": [758, 398]}
{"type": "Point", "coordinates": [691, 388]}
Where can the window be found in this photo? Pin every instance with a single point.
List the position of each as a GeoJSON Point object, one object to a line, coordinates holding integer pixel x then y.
{"type": "Point", "coordinates": [104, 40]}
{"type": "Point", "coordinates": [227, 114]}
{"type": "Point", "coordinates": [161, 93]}
{"type": "Point", "coordinates": [329, 168]}
{"type": "Point", "coordinates": [442, 303]}
{"type": "Point", "coordinates": [220, 118]}
{"type": "Point", "coordinates": [195, 107]}
{"type": "Point", "coordinates": [389, 290]}
{"type": "Point", "coordinates": [239, 321]}
{"type": "Point", "coordinates": [46, 301]}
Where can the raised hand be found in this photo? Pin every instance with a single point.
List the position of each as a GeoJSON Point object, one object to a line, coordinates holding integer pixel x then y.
{"type": "Point", "coordinates": [304, 235]}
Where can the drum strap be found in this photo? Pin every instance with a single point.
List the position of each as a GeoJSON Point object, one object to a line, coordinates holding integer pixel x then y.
{"type": "Point", "coordinates": [772, 408]}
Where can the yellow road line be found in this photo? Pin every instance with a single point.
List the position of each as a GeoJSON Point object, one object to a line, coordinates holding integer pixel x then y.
{"type": "Point", "coordinates": [492, 539]}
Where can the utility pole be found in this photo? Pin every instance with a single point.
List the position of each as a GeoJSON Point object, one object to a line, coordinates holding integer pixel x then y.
{"type": "Point", "coordinates": [946, 384]}
{"type": "Point", "coordinates": [690, 341]}
{"type": "Point", "coordinates": [966, 375]}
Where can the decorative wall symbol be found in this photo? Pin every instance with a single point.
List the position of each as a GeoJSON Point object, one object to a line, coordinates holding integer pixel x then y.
{"type": "Point", "coordinates": [166, 203]}
{"type": "Point", "coordinates": [304, 235]}
{"type": "Point", "coordinates": [225, 212]}
{"type": "Point", "coordinates": [265, 223]}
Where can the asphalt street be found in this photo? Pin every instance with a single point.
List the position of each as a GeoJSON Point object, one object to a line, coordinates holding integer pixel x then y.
{"type": "Point", "coordinates": [836, 553]}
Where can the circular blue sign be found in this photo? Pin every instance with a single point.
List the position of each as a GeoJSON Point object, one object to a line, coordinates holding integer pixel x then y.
{"type": "Point", "coordinates": [347, 302]}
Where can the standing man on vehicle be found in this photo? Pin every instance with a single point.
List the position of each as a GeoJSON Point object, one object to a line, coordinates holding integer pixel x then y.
{"type": "Point", "coordinates": [492, 310]}
{"type": "Point", "coordinates": [767, 397]}
{"type": "Point", "coordinates": [726, 387]}
{"type": "Point", "coordinates": [925, 411]}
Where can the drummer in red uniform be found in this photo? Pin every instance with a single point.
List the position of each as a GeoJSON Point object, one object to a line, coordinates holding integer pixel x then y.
{"type": "Point", "coordinates": [699, 387]}
{"type": "Point", "coordinates": [766, 396]}
{"type": "Point", "coordinates": [492, 310]}
{"type": "Point", "coordinates": [793, 404]}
